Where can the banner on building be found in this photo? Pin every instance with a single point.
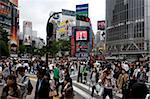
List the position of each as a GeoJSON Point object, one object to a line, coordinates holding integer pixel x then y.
{"type": "Point", "coordinates": [15, 2]}
{"type": "Point", "coordinates": [101, 25]}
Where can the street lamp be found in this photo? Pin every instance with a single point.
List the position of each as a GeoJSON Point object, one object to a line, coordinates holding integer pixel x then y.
{"type": "Point", "coordinates": [49, 30]}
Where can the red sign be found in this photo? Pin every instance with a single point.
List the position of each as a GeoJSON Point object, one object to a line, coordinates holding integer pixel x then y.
{"type": "Point", "coordinates": [81, 35]}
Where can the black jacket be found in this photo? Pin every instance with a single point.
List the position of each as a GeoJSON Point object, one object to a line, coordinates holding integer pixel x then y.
{"type": "Point", "coordinates": [43, 92]}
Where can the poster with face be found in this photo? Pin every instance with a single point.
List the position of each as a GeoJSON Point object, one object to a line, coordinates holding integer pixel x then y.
{"type": "Point", "coordinates": [101, 25]}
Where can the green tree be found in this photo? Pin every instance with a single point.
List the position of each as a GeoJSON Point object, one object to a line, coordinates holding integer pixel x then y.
{"type": "Point", "coordinates": [4, 35]}
{"type": "Point", "coordinates": [3, 42]}
{"type": "Point", "coordinates": [22, 49]}
{"type": "Point", "coordinates": [3, 49]}
{"type": "Point", "coordinates": [54, 48]}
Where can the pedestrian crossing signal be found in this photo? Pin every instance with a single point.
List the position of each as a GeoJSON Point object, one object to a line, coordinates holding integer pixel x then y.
{"type": "Point", "coordinates": [82, 18]}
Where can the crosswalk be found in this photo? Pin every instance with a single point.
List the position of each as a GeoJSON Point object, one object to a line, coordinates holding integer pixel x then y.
{"type": "Point", "coordinates": [88, 89]}
{"type": "Point", "coordinates": [82, 89]}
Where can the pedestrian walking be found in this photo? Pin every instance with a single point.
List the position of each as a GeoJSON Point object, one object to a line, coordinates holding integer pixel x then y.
{"type": "Point", "coordinates": [94, 79]}
{"type": "Point", "coordinates": [56, 78]}
{"type": "Point", "coordinates": [139, 91]}
{"type": "Point", "coordinates": [67, 89]}
{"type": "Point", "coordinates": [141, 76]}
{"type": "Point", "coordinates": [84, 74]}
{"type": "Point", "coordinates": [42, 86]}
{"type": "Point", "coordinates": [23, 81]}
{"type": "Point", "coordinates": [123, 78]}
{"type": "Point", "coordinates": [108, 83]}
{"type": "Point", "coordinates": [11, 90]}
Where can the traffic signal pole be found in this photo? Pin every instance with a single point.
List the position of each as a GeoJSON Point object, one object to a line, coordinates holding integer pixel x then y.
{"type": "Point", "coordinates": [49, 34]}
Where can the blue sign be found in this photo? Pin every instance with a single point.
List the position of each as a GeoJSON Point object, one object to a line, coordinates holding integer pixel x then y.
{"type": "Point", "coordinates": [82, 9]}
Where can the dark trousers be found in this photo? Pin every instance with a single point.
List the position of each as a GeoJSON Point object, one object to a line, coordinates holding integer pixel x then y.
{"type": "Point", "coordinates": [57, 85]}
{"type": "Point", "coordinates": [79, 77]}
{"type": "Point", "coordinates": [93, 88]}
{"type": "Point", "coordinates": [107, 92]}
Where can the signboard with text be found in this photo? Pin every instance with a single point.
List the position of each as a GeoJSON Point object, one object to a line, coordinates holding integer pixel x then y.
{"type": "Point", "coordinates": [82, 9]}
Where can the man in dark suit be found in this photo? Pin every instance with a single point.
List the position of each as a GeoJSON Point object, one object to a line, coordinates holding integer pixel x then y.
{"type": "Point", "coordinates": [42, 86]}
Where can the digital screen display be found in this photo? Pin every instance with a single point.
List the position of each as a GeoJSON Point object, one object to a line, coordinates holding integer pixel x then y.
{"type": "Point", "coordinates": [81, 35]}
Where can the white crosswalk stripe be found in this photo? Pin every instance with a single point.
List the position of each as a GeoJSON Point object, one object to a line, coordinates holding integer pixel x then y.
{"type": "Point", "coordinates": [82, 93]}
{"type": "Point", "coordinates": [90, 88]}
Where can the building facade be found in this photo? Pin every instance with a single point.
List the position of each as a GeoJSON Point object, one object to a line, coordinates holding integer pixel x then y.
{"type": "Point", "coordinates": [9, 21]}
{"type": "Point", "coordinates": [27, 32]}
{"type": "Point", "coordinates": [5, 15]}
{"type": "Point", "coordinates": [128, 27]}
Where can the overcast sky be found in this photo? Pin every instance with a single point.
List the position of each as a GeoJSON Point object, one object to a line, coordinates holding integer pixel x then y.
{"type": "Point", "coordinates": [38, 11]}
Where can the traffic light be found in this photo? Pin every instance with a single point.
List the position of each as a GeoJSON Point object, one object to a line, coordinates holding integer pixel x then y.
{"type": "Point", "coordinates": [82, 18]}
{"type": "Point", "coordinates": [49, 29]}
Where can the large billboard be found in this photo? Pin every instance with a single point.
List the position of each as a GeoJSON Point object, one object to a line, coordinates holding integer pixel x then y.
{"type": "Point", "coordinates": [80, 44]}
{"type": "Point", "coordinates": [101, 25]}
{"type": "Point", "coordinates": [27, 31]}
{"type": "Point", "coordinates": [15, 2]}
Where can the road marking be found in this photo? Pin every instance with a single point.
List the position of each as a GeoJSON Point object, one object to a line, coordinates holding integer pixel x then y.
{"type": "Point", "coordinates": [82, 93]}
{"type": "Point", "coordinates": [90, 88]}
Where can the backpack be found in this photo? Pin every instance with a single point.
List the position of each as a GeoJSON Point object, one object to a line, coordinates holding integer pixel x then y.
{"type": "Point", "coordinates": [30, 87]}
{"type": "Point", "coordinates": [126, 88]}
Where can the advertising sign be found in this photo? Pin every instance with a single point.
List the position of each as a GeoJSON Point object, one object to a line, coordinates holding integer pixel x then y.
{"type": "Point", "coordinates": [101, 25]}
{"type": "Point", "coordinates": [15, 2]}
{"type": "Point", "coordinates": [82, 9]}
{"type": "Point", "coordinates": [81, 35]}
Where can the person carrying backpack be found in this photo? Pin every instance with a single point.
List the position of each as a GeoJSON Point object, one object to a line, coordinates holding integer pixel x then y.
{"type": "Point", "coordinates": [24, 83]}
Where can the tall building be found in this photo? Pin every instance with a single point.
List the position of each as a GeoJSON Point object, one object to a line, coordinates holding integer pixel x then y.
{"type": "Point", "coordinates": [5, 15]}
{"type": "Point", "coordinates": [9, 21]}
{"type": "Point", "coordinates": [27, 32]}
{"type": "Point", "coordinates": [128, 27]}
{"type": "Point", "coordinates": [34, 35]}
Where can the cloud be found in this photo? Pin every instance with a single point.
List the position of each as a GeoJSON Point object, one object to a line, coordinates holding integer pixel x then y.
{"type": "Point", "coordinates": [38, 11]}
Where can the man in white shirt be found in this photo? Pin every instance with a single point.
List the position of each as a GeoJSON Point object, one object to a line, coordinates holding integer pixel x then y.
{"type": "Point", "coordinates": [23, 82]}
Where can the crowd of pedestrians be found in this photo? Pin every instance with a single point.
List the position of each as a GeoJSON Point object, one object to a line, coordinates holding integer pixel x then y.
{"type": "Point", "coordinates": [53, 80]}
{"type": "Point", "coordinates": [106, 78]}
{"type": "Point", "coordinates": [131, 79]}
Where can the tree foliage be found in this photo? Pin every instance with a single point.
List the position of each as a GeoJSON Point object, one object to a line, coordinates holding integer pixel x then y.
{"type": "Point", "coordinates": [3, 42]}
{"type": "Point", "coordinates": [56, 46]}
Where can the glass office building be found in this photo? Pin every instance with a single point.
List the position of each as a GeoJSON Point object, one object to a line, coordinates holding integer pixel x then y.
{"type": "Point", "coordinates": [128, 27]}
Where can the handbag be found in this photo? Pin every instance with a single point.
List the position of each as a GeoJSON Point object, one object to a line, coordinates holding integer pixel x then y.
{"type": "Point", "coordinates": [101, 91]}
{"type": "Point", "coordinates": [52, 93]}
{"type": "Point", "coordinates": [98, 87]}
